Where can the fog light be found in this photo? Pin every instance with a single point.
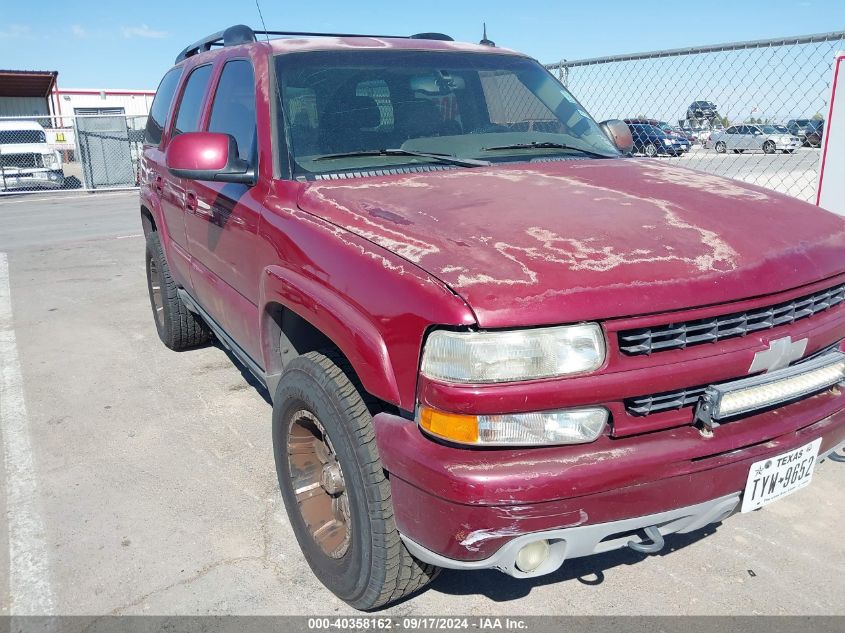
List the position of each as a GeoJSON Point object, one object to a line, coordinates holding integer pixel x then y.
{"type": "Point", "coordinates": [531, 556]}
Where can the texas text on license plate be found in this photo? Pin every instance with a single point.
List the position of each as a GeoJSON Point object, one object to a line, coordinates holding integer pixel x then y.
{"type": "Point", "coordinates": [773, 478]}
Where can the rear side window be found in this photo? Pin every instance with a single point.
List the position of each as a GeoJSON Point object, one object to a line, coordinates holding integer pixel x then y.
{"type": "Point", "coordinates": [161, 106]}
{"type": "Point", "coordinates": [233, 110]}
{"type": "Point", "coordinates": [188, 117]}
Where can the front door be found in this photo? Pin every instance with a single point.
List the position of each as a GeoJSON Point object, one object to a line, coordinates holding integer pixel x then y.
{"type": "Point", "coordinates": [221, 219]}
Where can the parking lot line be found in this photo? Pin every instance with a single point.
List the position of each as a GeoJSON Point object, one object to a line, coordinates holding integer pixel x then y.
{"type": "Point", "coordinates": [29, 580]}
{"type": "Point", "coordinates": [27, 198]}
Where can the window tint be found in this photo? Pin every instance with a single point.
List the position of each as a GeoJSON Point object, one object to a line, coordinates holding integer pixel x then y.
{"type": "Point", "coordinates": [336, 102]}
{"type": "Point", "coordinates": [378, 91]}
{"type": "Point", "coordinates": [11, 137]}
{"type": "Point", "coordinates": [188, 117]}
{"type": "Point", "coordinates": [161, 106]}
{"type": "Point", "coordinates": [233, 110]}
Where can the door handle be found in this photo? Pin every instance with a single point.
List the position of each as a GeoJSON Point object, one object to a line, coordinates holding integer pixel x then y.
{"type": "Point", "coordinates": [197, 206]}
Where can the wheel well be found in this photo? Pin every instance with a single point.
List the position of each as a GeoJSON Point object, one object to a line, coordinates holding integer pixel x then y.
{"type": "Point", "coordinates": [288, 335]}
{"type": "Point", "coordinates": [147, 221]}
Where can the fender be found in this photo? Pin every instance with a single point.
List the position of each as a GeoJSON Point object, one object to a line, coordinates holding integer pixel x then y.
{"type": "Point", "coordinates": [348, 327]}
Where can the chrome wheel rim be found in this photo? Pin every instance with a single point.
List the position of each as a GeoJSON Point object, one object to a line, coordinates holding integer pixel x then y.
{"type": "Point", "coordinates": [155, 291]}
{"type": "Point", "coordinates": [318, 484]}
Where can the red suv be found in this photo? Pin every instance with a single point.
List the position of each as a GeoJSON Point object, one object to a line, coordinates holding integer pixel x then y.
{"type": "Point", "coordinates": [488, 345]}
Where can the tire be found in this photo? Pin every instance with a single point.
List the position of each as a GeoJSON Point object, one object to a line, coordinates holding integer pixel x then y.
{"type": "Point", "coordinates": [650, 150]}
{"type": "Point", "coordinates": [323, 434]}
{"type": "Point", "coordinates": [721, 148]}
{"type": "Point", "coordinates": [177, 327]}
{"type": "Point", "coordinates": [769, 147]}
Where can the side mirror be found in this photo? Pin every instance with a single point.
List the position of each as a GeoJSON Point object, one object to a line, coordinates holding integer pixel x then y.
{"type": "Point", "coordinates": [207, 156]}
{"type": "Point", "coordinates": [619, 133]}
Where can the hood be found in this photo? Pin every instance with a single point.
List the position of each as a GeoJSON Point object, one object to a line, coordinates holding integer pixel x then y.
{"type": "Point", "coordinates": [557, 242]}
{"type": "Point", "coordinates": [25, 148]}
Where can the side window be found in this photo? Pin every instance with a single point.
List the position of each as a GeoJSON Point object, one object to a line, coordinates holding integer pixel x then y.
{"type": "Point", "coordinates": [731, 130]}
{"type": "Point", "coordinates": [188, 116]}
{"type": "Point", "coordinates": [233, 110]}
{"type": "Point", "coordinates": [161, 106]}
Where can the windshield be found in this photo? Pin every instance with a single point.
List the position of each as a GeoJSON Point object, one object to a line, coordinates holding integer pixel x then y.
{"type": "Point", "coordinates": [456, 104]}
{"type": "Point", "coordinates": [14, 137]}
{"type": "Point", "coordinates": [770, 129]}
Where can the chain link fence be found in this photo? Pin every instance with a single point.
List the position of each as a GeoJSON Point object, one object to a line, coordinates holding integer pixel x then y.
{"type": "Point", "coordinates": [753, 111]}
{"type": "Point", "coordinates": [89, 153]}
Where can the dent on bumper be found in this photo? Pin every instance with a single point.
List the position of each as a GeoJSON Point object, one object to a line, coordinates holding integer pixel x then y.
{"type": "Point", "coordinates": [586, 540]}
{"type": "Point", "coordinates": [464, 506]}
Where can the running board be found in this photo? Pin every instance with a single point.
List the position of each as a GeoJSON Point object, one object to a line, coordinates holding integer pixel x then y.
{"type": "Point", "coordinates": [227, 341]}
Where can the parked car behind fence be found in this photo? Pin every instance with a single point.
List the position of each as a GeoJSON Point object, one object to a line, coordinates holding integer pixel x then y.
{"type": "Point", "coordinates": [808, 130]}
{"type": "Point", "coordinates": [750, 138]}
{"type": "Point", "coordinates": [653, 141]}
{"type": "Point", "coordinates": [26, 160]}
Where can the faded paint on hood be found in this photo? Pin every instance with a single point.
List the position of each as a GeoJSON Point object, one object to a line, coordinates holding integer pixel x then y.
{"type": "Point", "coordinates": [559, 242]}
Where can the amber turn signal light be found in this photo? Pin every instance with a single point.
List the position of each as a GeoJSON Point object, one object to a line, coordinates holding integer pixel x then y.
{"type": "Point", "coordinates": [450, 426]}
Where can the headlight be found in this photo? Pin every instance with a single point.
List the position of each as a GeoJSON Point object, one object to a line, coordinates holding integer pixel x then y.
{"type": "Point", "coordinates": [49, 160]}
{"type": "Point", "coordinates": [513, 355]}
{"type": "Point", "coordinates": [544, 428]}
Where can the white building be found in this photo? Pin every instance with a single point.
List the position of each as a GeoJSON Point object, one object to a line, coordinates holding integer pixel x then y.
{"type": "Point", "coordinates": [102, 101]}
{"type": "Point", "coordinates": [32, 93]}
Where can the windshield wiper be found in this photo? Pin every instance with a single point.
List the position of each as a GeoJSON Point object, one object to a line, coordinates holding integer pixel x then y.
{"type": "Point", "coordinates": [445, 158]}
{"type": "Point", "coordinates": [545, 145]}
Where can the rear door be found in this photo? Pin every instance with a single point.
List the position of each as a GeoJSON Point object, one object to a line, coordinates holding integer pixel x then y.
{"type": "Point", "coordinates": [186, 118]}
{"type": "Point", "coordinates": [755, 138]}
{"type": "Point", "coordinates": [155, 181]}
{"type": "Point", "coordinates": [222, 218]}
{"type": "Point", "coordinates": [731, 137]}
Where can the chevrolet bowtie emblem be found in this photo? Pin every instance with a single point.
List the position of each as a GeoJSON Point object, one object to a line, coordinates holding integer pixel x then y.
{"type": "Point", "coordinates": [780, 354]}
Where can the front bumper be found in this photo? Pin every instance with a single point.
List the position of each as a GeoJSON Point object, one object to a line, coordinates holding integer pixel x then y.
{"type": "Point", "coordinates": [32, 179]}
{"type": "Point", "coordinates": [474, 509]}
{"type": "Point", "coordinates": [784, 145]}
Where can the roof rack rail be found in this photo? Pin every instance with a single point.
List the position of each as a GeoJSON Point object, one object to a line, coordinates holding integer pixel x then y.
{"type": "Point", "coordinates": [242, 34]}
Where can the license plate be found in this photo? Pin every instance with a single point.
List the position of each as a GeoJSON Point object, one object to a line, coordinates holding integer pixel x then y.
{"type": "Point", "coordinates": [776, 477]}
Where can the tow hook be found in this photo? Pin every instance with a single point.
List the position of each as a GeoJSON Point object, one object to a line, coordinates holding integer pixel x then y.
{"type": "Point", "coordinates": [657, 542]}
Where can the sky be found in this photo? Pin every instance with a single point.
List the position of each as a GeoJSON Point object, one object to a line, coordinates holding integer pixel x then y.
{"type": "Point", "coordinates": [129, 45]}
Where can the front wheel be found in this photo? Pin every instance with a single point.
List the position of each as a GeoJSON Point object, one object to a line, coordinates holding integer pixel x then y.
{"type": "Point", "coordinates": [721, 148]}
{"type": "Point", "coordinates": [769, 147]}
{"type": "Point", "coordinates": [650, 150]}
{"type": "Point", "coordinates": [334, 486]}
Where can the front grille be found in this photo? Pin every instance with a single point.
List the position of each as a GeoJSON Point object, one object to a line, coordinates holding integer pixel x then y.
{"type": "Point", "coordinates": [21, 161]}
{"type": "Point", "coordinates": [661, 338]}
{"type": "Point", "coordinates": [667, 401]}
{"type": "Point", "coordinates": [687, 396]}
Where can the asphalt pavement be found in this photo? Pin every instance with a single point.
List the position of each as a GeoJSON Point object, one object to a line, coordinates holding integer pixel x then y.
{"type": "Point", "coordinates": [141, 481]}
